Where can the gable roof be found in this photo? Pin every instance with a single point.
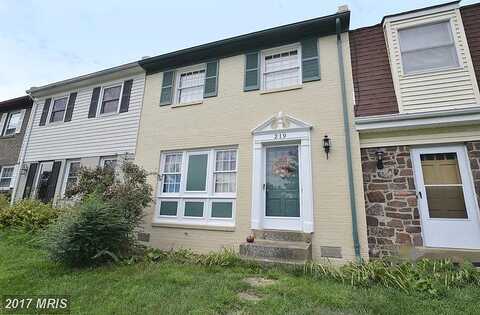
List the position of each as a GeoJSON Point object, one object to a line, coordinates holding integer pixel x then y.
{"type": "Point", "coordinates": [271, 37]}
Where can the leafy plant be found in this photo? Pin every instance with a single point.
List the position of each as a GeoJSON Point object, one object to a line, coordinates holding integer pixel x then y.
{"type": "Point", "coordinates": [225, 258]}
{"type": "Point", "coordinates": [4, 201]}
{"type": "Point", "coordinates": [29, 214]}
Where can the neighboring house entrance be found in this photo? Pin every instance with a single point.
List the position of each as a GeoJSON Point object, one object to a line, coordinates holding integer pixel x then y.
{"type": "Point", "coordinates": [446, 197]}
{"type": "Point", "coordinates": [42, 180]}
{"type": "Point", "coordinates": [282, 175]}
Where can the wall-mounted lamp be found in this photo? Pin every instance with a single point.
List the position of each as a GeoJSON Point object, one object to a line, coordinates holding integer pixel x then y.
{"type": "Point", "coordinates": [326, 145]}
{"type": "Point", "coordinates": [24, 169]}
{"type": "Point", "coordinates": [379, 155]}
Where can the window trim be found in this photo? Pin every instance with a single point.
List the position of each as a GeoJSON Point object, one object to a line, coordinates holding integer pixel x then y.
{"type": "Point", "coordinates": [207, 197]}
{"type": "Point", "coordinates": [432, 70]}
{"type": "Point", "coordinates": [50, 110]}
{"type": "Point", "coordinates": [11, 177]}
{"type": "Point", "coordinates": [275, 50]}
{"type": "Point", "coordinates": [66, 174]}
{"type": "Point", "coordinates": [100, 98]}
{"type": "Point", "coordinates": [178, 74]}
{"type": "Point", "coordinates": [7, 120]}
{"type": "Point", "coordinates": [105, 158]}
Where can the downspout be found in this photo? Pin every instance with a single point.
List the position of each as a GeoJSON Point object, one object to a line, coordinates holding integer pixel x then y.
{"type": "Point", "coordinates": [23, 150]}
{"type": "Point", "coordinates": [346, 125]}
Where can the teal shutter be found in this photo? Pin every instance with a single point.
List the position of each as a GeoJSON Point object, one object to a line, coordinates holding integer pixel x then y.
{"type": "Point", "coordinates": [211, 79]}
{"type": "Point", "coordinates": [197, 172]}
{"type": "Point", "coordinates": [310, 60]}
{"type": "Point", "coordinates": [252, 71]}
{"type": "Point", "coordinates": [166, 97]}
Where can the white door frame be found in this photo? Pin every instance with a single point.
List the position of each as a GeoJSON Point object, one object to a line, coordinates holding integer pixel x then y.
{"type": "Point", "coordinates": [448, 233]}
{"type": "Point", "coordinates": [282, 130]}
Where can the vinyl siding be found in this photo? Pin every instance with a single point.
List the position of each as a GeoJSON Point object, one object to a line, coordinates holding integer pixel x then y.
{"type": "Point", "coordinates": [436, 90]}
{"type": "Point", "coordinates": [83, 136]}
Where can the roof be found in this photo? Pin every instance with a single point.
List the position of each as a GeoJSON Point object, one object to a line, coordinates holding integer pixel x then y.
{"type": "Point", "coordinates": [276, 36]}
{"type": "Point", "coordinates": [14, 103]}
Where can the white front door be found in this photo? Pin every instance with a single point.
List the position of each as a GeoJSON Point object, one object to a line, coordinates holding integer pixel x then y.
{"type": "Point", "coordinates": [446, 197]}
{"type": "Point", "coordinates": [282, 187]}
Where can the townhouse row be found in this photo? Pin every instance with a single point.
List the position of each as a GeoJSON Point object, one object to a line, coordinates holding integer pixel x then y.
{"type": "Point", "coordinates": [321, 141]}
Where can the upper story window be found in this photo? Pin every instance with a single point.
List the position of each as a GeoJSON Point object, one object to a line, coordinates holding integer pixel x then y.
{"type": "Point", "coordinates": [6, 176]}
{"type": "Point", "coordinates": [110, 99]}
{"type": "Point", "coordinates": [190, 86]}
{"type": "Point", "coordinates": [428, 47]}
{"type": "Point", "coordinates": [281, 68]}
{"type": "Point", "coordinates": [58, 109]}
{"type": "Point", "coordinates": [11, 123]}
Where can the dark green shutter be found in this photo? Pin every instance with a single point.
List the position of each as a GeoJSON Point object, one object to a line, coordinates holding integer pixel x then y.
{"type": "Point", "coordinates": [32, 170]}
{"type": "Point", "coordinates": [70, 106]}
{"type": "Point", "coordinates": [252, 71]}
{"type": "Point", "coordinates": [46, 109]}
{"type": "Point", "coordinates": [127, 90]}
{"type": "Point", "coordinates": [166, 97]}
{"type": "Point", "coordinates": [310, 60]}
{"type": "Point", "coordinates": [92, 111]}
{"type": "Point", "coordinates": [197, 172]}
{"type": "Point", "coordinates": [52, 181]}
{"type": "Point", "coordinates": [211, 79]}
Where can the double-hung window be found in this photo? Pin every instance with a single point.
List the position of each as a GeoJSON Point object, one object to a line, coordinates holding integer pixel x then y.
{"type": "Point", "coordinates": [428, 47]}
{"type": "Point", "coordinates": [71, 174]}
{"type": "Point", "coordinates": [6, 177]}
{"type": "Point", "coordinates": [111, 99]}
{"type": "Point", "coordinates": [109, 162]}
{"type": "Point", "coordinates": [58, 109]}
{"type": "Point", "coordinates": [13, 119]}
{"type": "Point", "coordinates": [191, 86]}
{"type": "Point", "coordinates": [198, 187]}
{"type": "Point", "coordinates": [281, 67]}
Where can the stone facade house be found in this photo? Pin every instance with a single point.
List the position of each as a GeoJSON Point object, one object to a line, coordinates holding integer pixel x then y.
{"type": "Point", "coordinates": [14, 116]}
{"type": "Point", "coordinates": [417, 108]}
{"type": "Point", "coordinates": [252, 135]}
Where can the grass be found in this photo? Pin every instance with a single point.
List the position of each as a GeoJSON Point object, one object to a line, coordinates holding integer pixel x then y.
{"type": "Point", "coordinates": [171, 288]}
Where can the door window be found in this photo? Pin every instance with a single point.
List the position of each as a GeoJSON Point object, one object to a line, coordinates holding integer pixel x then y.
{"type": "Point", "coordinates": [443, 186]}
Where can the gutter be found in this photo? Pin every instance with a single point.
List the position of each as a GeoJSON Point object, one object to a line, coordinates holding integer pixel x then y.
{"type": "Point", "coordinates": [346, 125]}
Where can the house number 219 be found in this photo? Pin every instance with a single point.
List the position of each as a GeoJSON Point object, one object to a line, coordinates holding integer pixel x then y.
{"type": "Point", "coordinates": [279, 136]}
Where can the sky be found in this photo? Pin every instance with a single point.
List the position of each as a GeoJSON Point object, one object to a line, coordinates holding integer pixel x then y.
{"type": "Point", "coordinates": [44, 41]}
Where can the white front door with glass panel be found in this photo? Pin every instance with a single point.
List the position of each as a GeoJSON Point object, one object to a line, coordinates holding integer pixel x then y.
{"type": "Point", "coordinates": [446, 197]}
{"type": "Point", "coordinates": [282, 187]}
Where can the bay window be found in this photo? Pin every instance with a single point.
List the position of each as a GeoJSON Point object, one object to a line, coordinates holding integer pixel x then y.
{"type": "Point", "coordinates": [197, 187]}
{"type": "Point", "coordinates": [428, 47]}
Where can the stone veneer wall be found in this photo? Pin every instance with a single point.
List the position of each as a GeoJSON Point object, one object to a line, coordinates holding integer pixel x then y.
{"type": "Point", "coordinates": [390, 199]}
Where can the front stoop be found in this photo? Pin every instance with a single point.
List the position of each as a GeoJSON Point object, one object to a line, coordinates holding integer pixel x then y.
{"type": "Point", "coordinates": [278, 247]}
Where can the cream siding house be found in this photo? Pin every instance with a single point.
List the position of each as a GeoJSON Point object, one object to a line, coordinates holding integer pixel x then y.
{"type": "Point", "coordinates": [247, 136]}
{"type": "Point", "coordinates": [419, 131]}
{"type": "Point", "coordinates": [85, 121]}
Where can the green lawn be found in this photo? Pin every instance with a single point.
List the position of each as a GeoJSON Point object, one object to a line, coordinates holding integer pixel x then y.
{"type": "Point", "coordinates": [168, 288]}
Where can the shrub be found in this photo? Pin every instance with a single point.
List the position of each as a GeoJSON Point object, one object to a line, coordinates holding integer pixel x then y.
{"type": "Point", "coordinates": [92, 233]}
{"type": "Point", "coordinates": [100, 228]}
{"type": "Point", "coordinates": [225, 258]}
{"type": "Point", "coordinates": [29, 214]}
{"type": "Point", "coordinates": [427, 276]}
{"type": "Point", "coordinates": [4, 201]}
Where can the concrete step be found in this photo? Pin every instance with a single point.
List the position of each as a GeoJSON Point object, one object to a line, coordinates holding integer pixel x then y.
{"type": "Point", "coordinates": [275, 261]}
{"type": "Point", "coordinates": [280, 250]}
{"type": "Point", "coordinates": [455, 255]}
{"type": "Point", "coordinates": [281, 235]}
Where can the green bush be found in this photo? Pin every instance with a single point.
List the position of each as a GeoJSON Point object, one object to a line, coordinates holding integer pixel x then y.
{"type": "Point", "coordinates": [28, 214]}
{"type": "Point", "coordinates": [225, 258]}
{"type": "Point", "coordinates": [4, 201]}
{"type": "Point", "coordinates": [92, 233]}
{"type": "Point", "coordinates": [433, 277]}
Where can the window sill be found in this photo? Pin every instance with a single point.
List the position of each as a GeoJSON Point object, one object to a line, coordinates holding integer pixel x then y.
{"type": "Point", "coordinates": [194, 226]}
{"type": "Point", "coordinates": [7, 137]}
{"type": "Point", "coordinates": [187, 104]}
{"type": "Point", "coordinates": [288, 88]}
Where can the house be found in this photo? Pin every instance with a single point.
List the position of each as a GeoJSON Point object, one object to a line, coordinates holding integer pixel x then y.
{"type": "Point", "coordinates": [417, 108]}
{"type": "Point", "coordinates": [87, 121]}
{"type": "Point", "coordinates": [14, 115]}
{"type": "Point", "coordinates": [253, 135]}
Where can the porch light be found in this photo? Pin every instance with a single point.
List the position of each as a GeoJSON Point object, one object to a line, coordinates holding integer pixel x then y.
{"type": "Point", "coordinates": [379, 155]}
{"type": "Point", "coordinates": [24, 169]}
{"type": "Point", "coordinates": [326, 144]}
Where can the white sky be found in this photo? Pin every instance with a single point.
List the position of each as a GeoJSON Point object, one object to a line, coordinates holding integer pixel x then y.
{"type": "Point", "coordinates": [43, 41]}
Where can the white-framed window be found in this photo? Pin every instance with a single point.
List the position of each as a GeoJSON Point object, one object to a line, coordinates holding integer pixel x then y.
{"type": "Point", "coordinates": [71, 177]}
{"type": "Point", "coordinates": [198, 187]}
{"type": "Point", "coordinates": [190, 84]}
{"type": "Point", "coordinates": [59, 107]}
{"type": "Point", "coordinates": [11, 123]}
{"type": "Point", "coordinates": [6, 177]}
{"type": "Point", "coordinates": [428, 47]}
{"type": "Point", "coordinates": [108, 162]}
{"type": "Point", "coordinates": [110, 100]}
{"type": "Point", "coordinates": [281, 67]}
